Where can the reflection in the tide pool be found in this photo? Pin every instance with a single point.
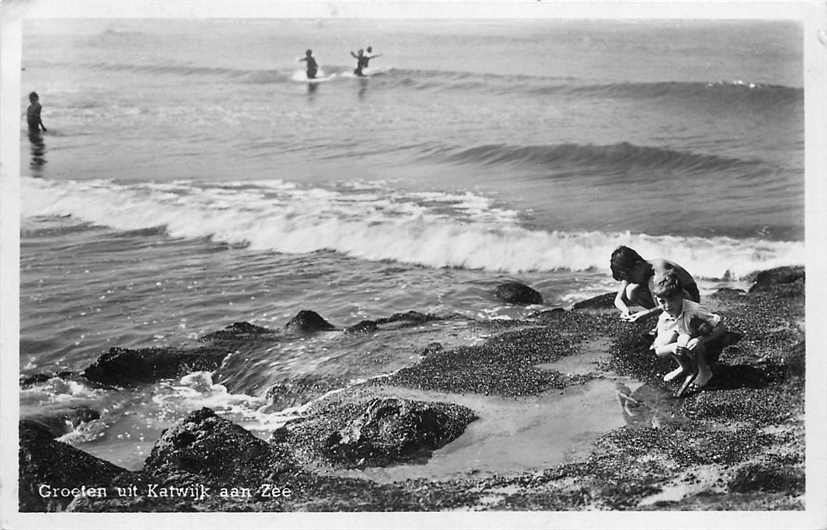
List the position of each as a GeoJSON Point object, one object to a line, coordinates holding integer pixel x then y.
{"type": "Point", "coordinates": [38, 150]}
{"type": "Point", "coordinates": [647, 406]}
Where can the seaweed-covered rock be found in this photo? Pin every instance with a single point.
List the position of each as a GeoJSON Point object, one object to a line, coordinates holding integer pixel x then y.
{"type": "Point", "coordinates": [767, 478]}
{"type": "Point", "coordinates": [61, 468]}
{"type": "Point", "coordinates": [307, 321]}
{"type": "Point", "coordinates": [365, 326]}
{"type": "Point", "coordinates": [395, 321]}
{"type": "Point", "coordinates": [216, 451]}
{"type": "Point", "coordinates": [59, 422]}
{"type": "Point", "coordinates": [518, 293]}
{"type": "Point", "coordinates": [791, 278]}
{"type": "Point", "coordinates": [237, 331]}
{"type": "Point", "coordinates": [375, 432]}
{"type": "Point", "coordinates": [125, 367]}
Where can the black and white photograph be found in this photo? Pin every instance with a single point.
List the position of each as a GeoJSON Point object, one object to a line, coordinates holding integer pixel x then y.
{"type": "Point", "coordinates": [360, 259]}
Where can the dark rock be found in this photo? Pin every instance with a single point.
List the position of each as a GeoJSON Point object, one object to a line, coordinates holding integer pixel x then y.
{"type": "Point", "coordinates": [308, 322]}
{"type": "Point", "coordinates": [414, 317]}
{"type": "Point", "coordinates": [365, 326]}
{"type": "Point", "coordinates": [204, 447]}
{"type": "Point", "coordinates": [393, 429]}
{"type": "Point", "coordinates": [60, 422]}
{"type": "Point", "coordinates": [765, 478]}
{"type": "Point", "coordinates": [603, 301]}
{"type": "Point", "coordinates": [789, 277]}
{"type": "Point", "coordinates": [375, 432]}
{"type": "Point", "coordinates": [58, 465]}
{"type": "Point", "coordinates": [238, 331]}
{"type": "Point", "coordinates": [433, 348]}
{"type": "Point", "coordinates": [517, 293]}
{"type": "Point", "coordinates": [121, 366]}
{"type": "Point", "coordinates": [397, 320]}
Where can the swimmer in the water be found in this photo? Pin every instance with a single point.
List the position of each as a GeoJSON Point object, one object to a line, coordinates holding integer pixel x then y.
{"type": "Point", "coordinates": [312, 66]}
{"type": "Point", "coordinates": [361, 62]}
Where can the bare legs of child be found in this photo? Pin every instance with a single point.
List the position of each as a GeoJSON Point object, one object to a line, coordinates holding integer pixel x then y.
{"type": "Point", "coordinates": [701, 374]}
{"type": "Point", "coordinates": [685, 365]}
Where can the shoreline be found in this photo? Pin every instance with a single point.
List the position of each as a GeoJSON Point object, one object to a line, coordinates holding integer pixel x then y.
{"type": "Point", "coordinates": [737, 445]}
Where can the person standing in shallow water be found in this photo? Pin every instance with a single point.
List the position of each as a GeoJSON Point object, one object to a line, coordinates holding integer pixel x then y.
{"type": "Point", "coordinates": [312, 65]}
{"type": "Point", "coordinates": [361, 62]}
{"type": "Point", "coordinates": [33, 114]}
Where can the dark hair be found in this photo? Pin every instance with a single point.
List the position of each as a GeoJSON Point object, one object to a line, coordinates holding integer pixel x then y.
{"type": "Point", "coordinates": [622, 262]}
{"type": "Point", "coordinates": [33, 96]}
{"type": "Point", "coordinates": [668, 286]}
{"type": "Point", "coordinates": [309, 52]}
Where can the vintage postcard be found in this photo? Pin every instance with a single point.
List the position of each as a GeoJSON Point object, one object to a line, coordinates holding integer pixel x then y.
{"type": "Point", "coordinates": [352, 264]}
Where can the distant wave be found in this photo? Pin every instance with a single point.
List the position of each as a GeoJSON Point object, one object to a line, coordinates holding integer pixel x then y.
{"type": "Point", "coordinates": [261, 76]}
{"type": "Point", "coordinates": [713, 92]}
{"type": "Point", "coordinates": [432, 229]}
{"type": "Point", "coordinates": [617, 156]}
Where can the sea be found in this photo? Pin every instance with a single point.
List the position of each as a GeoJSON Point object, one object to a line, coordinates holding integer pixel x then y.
{"type": "Point", "coordinates": [192, 177]}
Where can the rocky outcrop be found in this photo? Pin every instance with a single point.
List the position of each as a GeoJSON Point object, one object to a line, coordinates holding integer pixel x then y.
{"type": "Point", "coordinates": [238, 332]}
{"type": "Point", "coordinates": [212, 450]}
{"type": "Point", "coordinates": [126, 367]}
{"type": "Point", "coordinates": [61, 469]}
{"type": "Point", "coordinates": [395, 321]}
{"type": "Point", "coordinates": [791, 278]}
{"type": "Point", "coordinates": [308, 322]}
{"type": "Point", "coordinates": [375, 432]}
{"type": "Point", "coordinates": [517, 293]}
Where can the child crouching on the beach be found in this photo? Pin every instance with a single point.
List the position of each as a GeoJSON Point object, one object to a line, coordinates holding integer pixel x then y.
{"type": "Point", "coordinates": [684, 329]}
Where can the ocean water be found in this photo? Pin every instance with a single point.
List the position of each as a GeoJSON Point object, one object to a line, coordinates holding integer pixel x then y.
{"type": "Point", "coordinates": [191, 177]}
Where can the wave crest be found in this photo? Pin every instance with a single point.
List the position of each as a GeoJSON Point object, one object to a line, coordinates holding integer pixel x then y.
{"type": "Point", "coordinates": [432, 229]}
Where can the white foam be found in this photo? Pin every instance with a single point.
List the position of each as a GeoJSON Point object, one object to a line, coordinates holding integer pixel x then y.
{"type": "Point", "coordinates": [321, 77]}
{"type": "Point", "coordinates": [426, 228]}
